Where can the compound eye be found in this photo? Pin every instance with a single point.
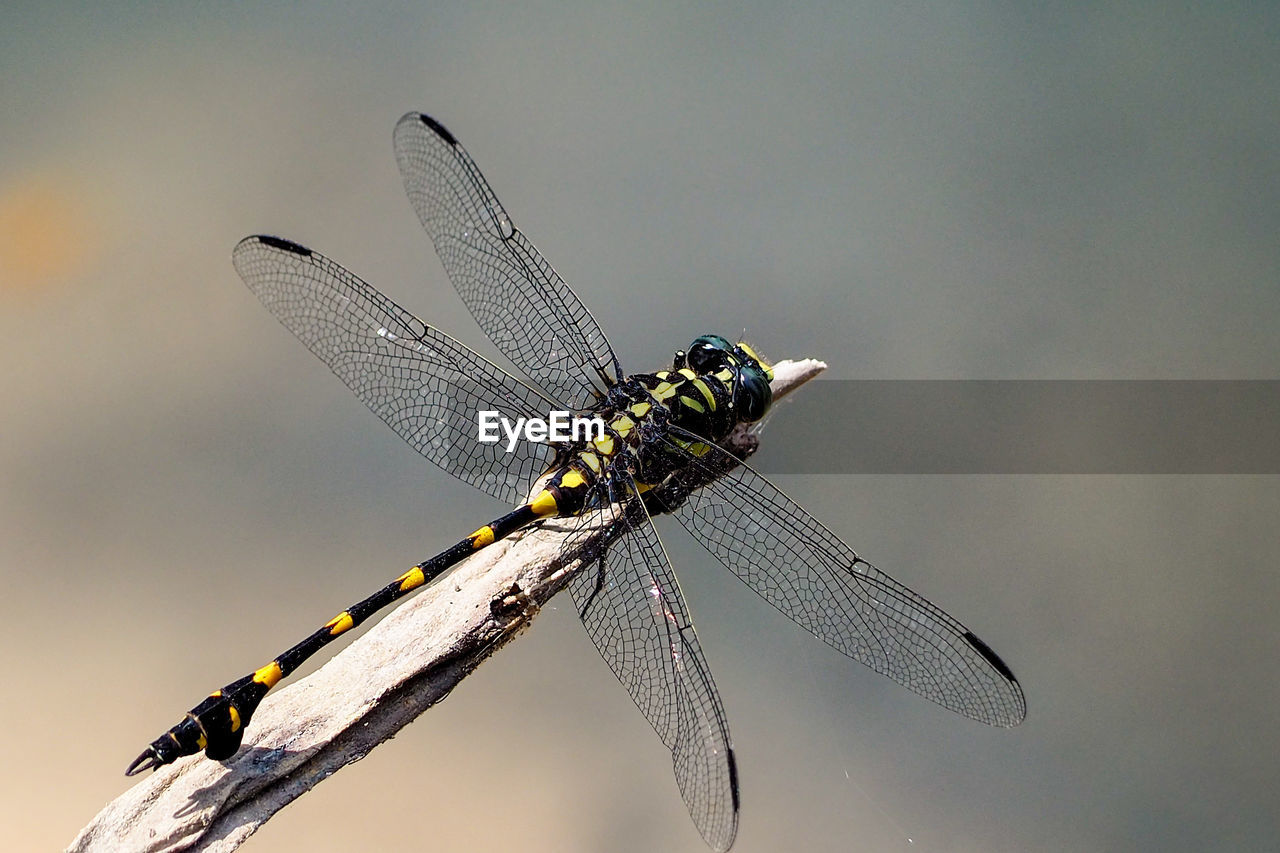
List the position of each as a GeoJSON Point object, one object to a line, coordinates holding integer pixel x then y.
{"type": "Point", "coordinates": [708, 353]}
{"type": "Point", "coordinates": [713, 341]}
{"type": "Point", "coordinates": [702, 359]}
{"type": "Point", "coordinates": [752, 397]}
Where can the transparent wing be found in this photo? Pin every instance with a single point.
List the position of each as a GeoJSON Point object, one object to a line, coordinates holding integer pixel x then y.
{"type": "Point", "coordinates": [633, 611]}
{"type": "Point", "coordinates": [524, 307]}
{"type": "Point", "coordinates": [421, 382]}
{"type": "Point", "coordinates": [800, 567]}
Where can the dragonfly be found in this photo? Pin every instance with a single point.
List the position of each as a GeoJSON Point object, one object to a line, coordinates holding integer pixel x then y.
{"type": "Point", "coordinates": [661, 451]}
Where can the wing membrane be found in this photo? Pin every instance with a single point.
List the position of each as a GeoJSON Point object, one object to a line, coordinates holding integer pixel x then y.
{"type": "Point", "coordinates": [524, 307]}
{"type": "Point", "coordinates": [425, 385]}
{"type": "Point", "coordinates": [632, 608]}
{"type": "Point", "coordinates": [803, 569]}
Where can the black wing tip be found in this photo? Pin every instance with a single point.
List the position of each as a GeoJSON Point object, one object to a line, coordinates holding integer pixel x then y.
{"type": "Point", "coordinates": [279, 243]}
{"type": "Point", "coordinates": [439, 129]}
{"type": "Point", "coordinates": [990, 657]}
{"type": "Point", "coordinates": [1018, 712]}
{"type": "Point", "coordinates": [733, 779]}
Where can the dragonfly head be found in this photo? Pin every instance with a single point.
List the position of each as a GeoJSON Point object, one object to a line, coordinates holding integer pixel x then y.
{"type": "Point", "coordinates": [711, 354]}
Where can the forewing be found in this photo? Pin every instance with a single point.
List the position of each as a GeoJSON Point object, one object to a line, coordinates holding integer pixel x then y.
{"type": "Point", "coordinates": [800, 567]}
{"type": "Point", "coordinates": [633, 611]}
{"type": "Point", "coordinates": [524, 307]}
{"type": "Point", "coordinates": [424, 384]}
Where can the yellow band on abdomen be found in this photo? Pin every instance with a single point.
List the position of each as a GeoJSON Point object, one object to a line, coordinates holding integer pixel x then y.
{"type": "Point", "coordinates": [338, 624]}
{"type": "Point", "coordinates": [482, 537]}
{"type": "Point", "coordinates": [411, 579]}
{"type": "Point", "coordinates": [269, 675]}
{"type": "Point", "coordinates": [544, 504]}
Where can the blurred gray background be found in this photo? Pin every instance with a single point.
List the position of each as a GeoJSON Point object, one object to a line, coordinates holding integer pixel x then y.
{"type": "Point", "coordinates": [958, 191]}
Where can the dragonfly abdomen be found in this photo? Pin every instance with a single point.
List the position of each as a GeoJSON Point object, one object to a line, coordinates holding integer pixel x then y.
{"type": "Point", "coordinates": [216, 725]}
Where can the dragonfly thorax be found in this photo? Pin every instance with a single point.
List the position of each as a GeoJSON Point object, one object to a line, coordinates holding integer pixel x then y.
{"type": "Point", "coordinates": [738, 377]}
{"type": "Point", "coordinates": [655, 420]}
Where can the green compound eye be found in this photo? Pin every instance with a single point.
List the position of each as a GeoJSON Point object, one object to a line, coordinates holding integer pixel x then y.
{"type": "Point", "coordinates": [714, 341]}
{"type": "Point", "coordinates": [753, 395]}
{"type": "Point", "coordinates": [708, 353]}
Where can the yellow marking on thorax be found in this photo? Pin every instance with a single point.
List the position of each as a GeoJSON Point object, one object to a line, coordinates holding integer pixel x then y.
{"type": "Point", "coordinates": [724, 375]}
{"type": "Point", "coordinates": [706, 393]}
{"type": "Point", "coordinates": [640, 409]}
{"type": "Point", "coordinates": [215, 694]}
{"type": "Point", "coordinates": [411, 579]}
{"type": "Point", "coordinates": [572, 479]}
{"type": "Point", "coordinates": [593, 462]}
{"type": "Point", "coordinates": [687, 373]}
{"type": "Point", "coordinates": [663, 391]}
{"type": "Point", "coordinates": [604, 445]}
{"type": "Point", "coordinates": [482, 537]}
{"type": "Point", "coordinates": [693, 404]}
{"type": "Point", "coordinates": [697, 448]}
{"type": "Point", "coordinates": [338, 624]}
{"type": "Point", "coordinates": [544, 504]}
{"type": "Point", "coordinates": [622, 426]}
{"type": "Point", "coordinates": [235, 718]}
{"type": "Point", "coordinates": [269, 675]}
{"type": "Point", "coordinates": [643, 487]}
{"type": "Point", "coordinates": [201, 740]}
{"type": "Point", "coordinates": [768, 371]}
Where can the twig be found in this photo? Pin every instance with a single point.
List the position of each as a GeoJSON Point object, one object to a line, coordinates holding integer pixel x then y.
{"type": "Point", "coordinates": [361, 697]}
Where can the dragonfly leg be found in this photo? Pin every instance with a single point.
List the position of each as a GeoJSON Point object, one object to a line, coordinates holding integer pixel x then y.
{"type": "Point", "coordinates": [599, 585]}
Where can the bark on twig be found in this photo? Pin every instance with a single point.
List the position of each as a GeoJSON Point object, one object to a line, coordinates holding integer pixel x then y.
{"type": "Point", "coordinates": [365, 694]}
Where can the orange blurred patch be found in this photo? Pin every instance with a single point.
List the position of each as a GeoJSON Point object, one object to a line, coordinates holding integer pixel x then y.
{"type": "Point", "coordinates": [45, 234]}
